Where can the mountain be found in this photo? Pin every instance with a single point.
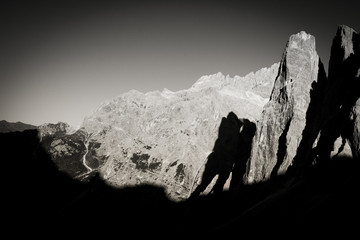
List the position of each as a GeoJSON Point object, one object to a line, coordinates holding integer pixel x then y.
{"type": "Point", "coordinates": [6, 126]}
{"type": "Point", "coordinates": [294, 170]}
{"type": "Point", "coordinates": [163, 138]}
{"type": "Point", "coordinates": [310, 117]}
{"type": "Point", "coordinates": [283, 118]}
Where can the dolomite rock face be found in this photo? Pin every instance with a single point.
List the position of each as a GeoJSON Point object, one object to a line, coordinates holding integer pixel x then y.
{"type": "Point", "coordinates": [310, 117]}
{"type": "Point", "coordinates": [333, 114]}
{"type": "Point", "coordinates": [52, 129]}
{"type": "Point", "coordinates": [163, 138]}
{"type": "Point", "coordinates": [279, 130]}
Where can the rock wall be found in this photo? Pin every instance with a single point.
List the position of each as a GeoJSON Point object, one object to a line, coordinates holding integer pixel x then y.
{"type": "Point", "coordinates": [335, 111]}
{"type": "Point", "coordinates": [308, 113]}
{"type": "Point", "coordinates": [283, 118]}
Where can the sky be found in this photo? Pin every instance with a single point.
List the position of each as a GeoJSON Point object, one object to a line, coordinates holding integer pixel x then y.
{"type": "Point", "coordinates": [59, 60]}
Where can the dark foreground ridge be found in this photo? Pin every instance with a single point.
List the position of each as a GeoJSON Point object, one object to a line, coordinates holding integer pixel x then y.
{"type": "Point", "coordinates": [41, 200]}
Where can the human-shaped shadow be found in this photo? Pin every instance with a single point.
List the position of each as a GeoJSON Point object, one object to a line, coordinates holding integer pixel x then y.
{"type": "Point", "coordinates": [245, 141]}
{"type": "Point", "coordinates": [230, 148]}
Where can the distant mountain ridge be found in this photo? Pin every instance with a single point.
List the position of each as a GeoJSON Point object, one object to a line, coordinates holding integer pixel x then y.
{"type": "Point", "coordinates": [6, 126]}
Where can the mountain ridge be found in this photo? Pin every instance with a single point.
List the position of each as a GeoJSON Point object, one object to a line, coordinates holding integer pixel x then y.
{"type": "Point", "coordinates": [18, 126]}
{"type": "Point", "coordinates": [164, 137]}
{"type": "Point", "coordinates": [303, 183]}
{"type": "Point", "coordinates": [171, 130]}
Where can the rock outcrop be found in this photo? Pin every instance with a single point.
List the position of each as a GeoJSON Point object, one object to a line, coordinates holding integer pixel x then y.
{"type": "Point", "coordinates": [310, 117]}
{"type": "Point", "coordinates": [334, 115]}
{"type": "Point", "coordinates": [54, 129]}
{"type": "Point", "coordinates": [283, 118]}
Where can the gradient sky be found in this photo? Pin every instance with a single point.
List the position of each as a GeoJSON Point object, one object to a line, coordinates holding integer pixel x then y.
{"type": "Point", "coordinates": [59, 60]}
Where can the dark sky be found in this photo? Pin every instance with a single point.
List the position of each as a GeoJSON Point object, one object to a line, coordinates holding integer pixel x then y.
{"type": "Point", "coordinates": [60, 59]}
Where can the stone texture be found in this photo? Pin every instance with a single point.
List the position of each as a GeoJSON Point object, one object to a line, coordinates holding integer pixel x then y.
{"type": "Point", "coordinates": [308, 123]}
{"type": "Point", "coordinates": [52, 129]}
{"type": "Point", "coordinates": [283, 118]}
{"type": "Point", "coordinates": [164, 138]}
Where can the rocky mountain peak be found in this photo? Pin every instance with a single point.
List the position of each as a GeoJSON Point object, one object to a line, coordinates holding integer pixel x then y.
{"type": "Point", "coordinates": [163, 137]}
{"type": "Point", "coordinates": [212, 80]}
{"type": "Point", "coordinates": [283, 118]}
{"type": "Point", "coordinates": [310, 117]}
{"type": "Point", "coordinates": [303, 35]}
{"type": "Point", "coordinates": [302, 40]}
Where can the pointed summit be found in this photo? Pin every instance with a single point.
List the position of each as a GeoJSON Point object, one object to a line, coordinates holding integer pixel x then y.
{"type": "Point", "coordinates": [284, 116]}
{"type": "Point", "coordinates": [334, 116]}
{"type": "Point", "coordinates": [308, 112]}
{"type": "Point", "coordinates": [302, 40]}
{"type": "Point", "coordinates": [213, 80]}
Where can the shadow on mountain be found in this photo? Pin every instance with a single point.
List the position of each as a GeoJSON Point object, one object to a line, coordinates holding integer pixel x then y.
{"type": "Point", "coordinates": [230, 154]}
{"type": "Point", "coordinates": [41, 200]}
{"type": "Point", "coordinates": [223, 156]}
{"type": "Point", "coordinates": [323, 203]}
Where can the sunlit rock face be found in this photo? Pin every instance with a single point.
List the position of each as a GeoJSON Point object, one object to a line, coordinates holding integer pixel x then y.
{"type": "Point", "coordinates": [310, 117]}
{"type": "Point", "coordinates": [283, 119]}
{"type": "Point", "coordinates": [332, 123]}
{"type": "Point", "coordinates": [52, 129]}
{"type": "Point", "coordinates": [164, 138]}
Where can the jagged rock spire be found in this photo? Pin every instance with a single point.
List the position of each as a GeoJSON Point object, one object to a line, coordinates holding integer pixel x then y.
{"type": "Point", "coordinates": [335, 112]}
{"type": "Point", "coordinates": [307, 111]}
{"type": "Point", "coordinates": [283, 119]}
